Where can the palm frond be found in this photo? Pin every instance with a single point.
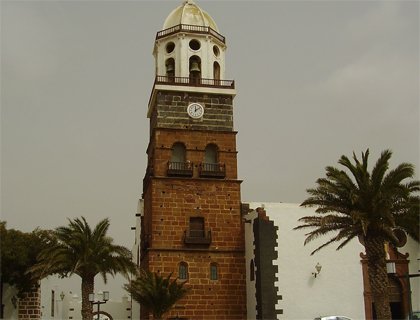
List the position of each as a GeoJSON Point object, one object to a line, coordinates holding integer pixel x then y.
{"type": "Point", "coordinates": [364, 204]}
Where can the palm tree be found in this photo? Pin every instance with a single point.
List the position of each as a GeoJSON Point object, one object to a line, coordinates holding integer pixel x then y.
{"type": "Point", "coordinates": [369, 206]}
{"type": "Point", "coordinates": [80, 250]}
{"type": "Point", "coordinates": [155, 292]}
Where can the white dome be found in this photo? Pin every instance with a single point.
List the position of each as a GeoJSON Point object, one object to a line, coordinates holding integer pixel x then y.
{"type": "Point", "coordinates": [189, 13]}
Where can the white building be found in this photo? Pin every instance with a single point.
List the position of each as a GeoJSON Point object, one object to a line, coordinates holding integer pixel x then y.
{"type": "Point", "coordinates": [275, 253]}
{"type": "Point", "coordinates": [57, 303]}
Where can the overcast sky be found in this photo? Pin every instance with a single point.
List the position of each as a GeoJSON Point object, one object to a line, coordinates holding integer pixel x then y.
{"type": "Point", "coordinates": [314, 79]}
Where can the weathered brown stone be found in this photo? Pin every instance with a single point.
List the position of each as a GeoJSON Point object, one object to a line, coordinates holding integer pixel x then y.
{"type": "Point", "coordinates": [30, 304]}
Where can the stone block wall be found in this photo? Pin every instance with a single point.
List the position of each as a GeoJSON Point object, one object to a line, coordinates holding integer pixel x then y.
{"type": "Point", "coordinates": [170, 111]}
{"type": "Point", "coordinates": [174, 201]}
{"type": "Point", "coordinates": [30, 304]}
{"type": "Point", "coordinates": [169, 204]}
{"type": "Point", "coordinates": [162, 141]}
{"type": "Point", "coordinates": [207, 299]}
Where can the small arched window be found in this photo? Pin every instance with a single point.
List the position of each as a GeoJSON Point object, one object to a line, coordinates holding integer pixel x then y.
{"type": "Point", "coordinates": [216, 71]}
{"type": "Point", "coordinates": [178, 152]}
{"type": "Point", "coordinates": [214, 273]}
{"type": "Point", "coordinates": [210, 155]}
{"type": "Point", "coordinates": [183, 271]}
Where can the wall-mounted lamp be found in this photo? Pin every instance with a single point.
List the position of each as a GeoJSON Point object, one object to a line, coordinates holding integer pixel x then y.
{"type": "Point", "coordinates": [62, 295]}
{"type": "Point", "coordinates": [318, 268]}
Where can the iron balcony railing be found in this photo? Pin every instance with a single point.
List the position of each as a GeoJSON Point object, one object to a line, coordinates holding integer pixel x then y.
{"type": "Point", "coordinates": [212, 170]}
{"type": "Point", "coordinates": [197, 237]}
{"type": "Point", "coordinates": [184, 169]}
{"type": "Point", "coordinates": [197, 82]}
{"type": "Point", "coordinates": [190, 29]}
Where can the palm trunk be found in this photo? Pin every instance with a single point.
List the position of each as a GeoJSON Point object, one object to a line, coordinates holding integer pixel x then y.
{"type": "Point", "coordinates": [378, 277]}
{"type": "Point", "coordinates": [87, 287]}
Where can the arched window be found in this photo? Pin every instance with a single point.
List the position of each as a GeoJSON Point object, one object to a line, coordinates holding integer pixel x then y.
{"type": "Point", "coordinates": [183, 271]}
{"type": "Point", "coordinates": [216, 71]}
{"type": "Point", "coordinates": [178, 165]}
{"type": "Point", "coordinates": [211, 166]}
{"type": "Point", "coordinates": [170, 68]}
{"type": "Point", "coordinates": [178, 152]}
{"type": "Point", "coordinates": [210, 155]}
{"type": "Point", "coordinates": [214, 273]}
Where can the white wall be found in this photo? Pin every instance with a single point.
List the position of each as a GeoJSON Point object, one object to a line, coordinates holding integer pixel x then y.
{"type": "Point", "coordinates": [337, 290]}
{"type": "Point", "coordinates": [10, 311]}
{"type": "Point", "coordinates": [251, 301]}
{"type": "Point", "coordinates": [71, 304]}
{"type": "Point", "coordinates": [414, 268]}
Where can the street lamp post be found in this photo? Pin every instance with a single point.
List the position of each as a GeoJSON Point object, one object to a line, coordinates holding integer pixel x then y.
{"type": "Point", "coordinates": [105, 298]}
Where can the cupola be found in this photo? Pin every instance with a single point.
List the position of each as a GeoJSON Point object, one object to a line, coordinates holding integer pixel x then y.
{"type": "Point", "coordinates": [189, 14]}
{"type": "Point", "coordinates": [190, 48]}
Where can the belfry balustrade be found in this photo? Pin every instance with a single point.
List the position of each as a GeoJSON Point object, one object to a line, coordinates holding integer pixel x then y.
{"type": "Point", "coordinates": [190, 29]}
{"type": "Point", "coordinates": [196, 82]}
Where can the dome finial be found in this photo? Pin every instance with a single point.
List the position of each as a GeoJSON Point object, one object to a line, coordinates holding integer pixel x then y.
{"type": "Point", "coordinates": [190, 1]}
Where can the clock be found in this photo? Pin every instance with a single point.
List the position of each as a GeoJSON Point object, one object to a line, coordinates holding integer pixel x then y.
{"type": "Point", "coordinates": [195, 110]}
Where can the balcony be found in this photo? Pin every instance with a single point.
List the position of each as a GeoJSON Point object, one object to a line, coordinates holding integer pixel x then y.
{"type": "Point", "coordinates": [190, 29]}
{"type": "Point", "coordinates": [196, 82]}
{"type": "Point", "coordinates": [197, 237]}
{"type": "Point", "coordinates": [180, 169]}
{"type": "Point", "coordinates": [212, 170]}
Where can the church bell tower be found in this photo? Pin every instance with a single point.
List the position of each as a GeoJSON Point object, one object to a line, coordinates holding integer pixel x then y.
{"type": "Point", "coordinates": [191, 224]}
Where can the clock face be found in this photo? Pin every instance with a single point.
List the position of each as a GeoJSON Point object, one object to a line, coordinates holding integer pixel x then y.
{"type": "Point", "coordinates": [195, 110]}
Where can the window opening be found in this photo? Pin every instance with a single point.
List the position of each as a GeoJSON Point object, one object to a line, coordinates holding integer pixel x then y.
{"type": "Point", "coordinates": [210, 155]}
{"type": "Point", "coordinates": [170, 47]}
{"type": "Point", "coordinates": [216, 71]}
{"type": "Point", "coordinates": [197, 227]}
{"type": "Point", "coordinates": [52, 303]}
{"type": "Point", "coordinates": [178, 152]}
{"type": "Point", "coordinates": [216, 51]}
{"type": "Point", "coordinates": [195, 69]}
{"type": "Point", "coordinates": [170, 67]}
{"type": "Point", "coordinates": [195, 44]}
{"type": "Point", "coordinates": [213, 271]}
{"type": "Point", "coordinates": [183, 271]}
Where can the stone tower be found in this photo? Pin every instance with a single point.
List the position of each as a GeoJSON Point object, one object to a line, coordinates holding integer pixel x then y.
{"type": "Point", "coordinates": [191, 225]}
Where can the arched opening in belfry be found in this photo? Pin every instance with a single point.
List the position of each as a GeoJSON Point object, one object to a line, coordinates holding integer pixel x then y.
{"type": "Point", "coordinates": [170, 68]}
{"type": "Point", "coordinates": [178, 152]}
{"type": "Point", "coordinates": [216, 71]}
{"type": "Point", "coordinates": [210, 154]}
{"type": "Point", "coordinates": [195, 69]}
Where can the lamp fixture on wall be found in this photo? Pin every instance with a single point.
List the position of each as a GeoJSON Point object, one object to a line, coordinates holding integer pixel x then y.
{"type": "Point", "coordinates": [318, 268]}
